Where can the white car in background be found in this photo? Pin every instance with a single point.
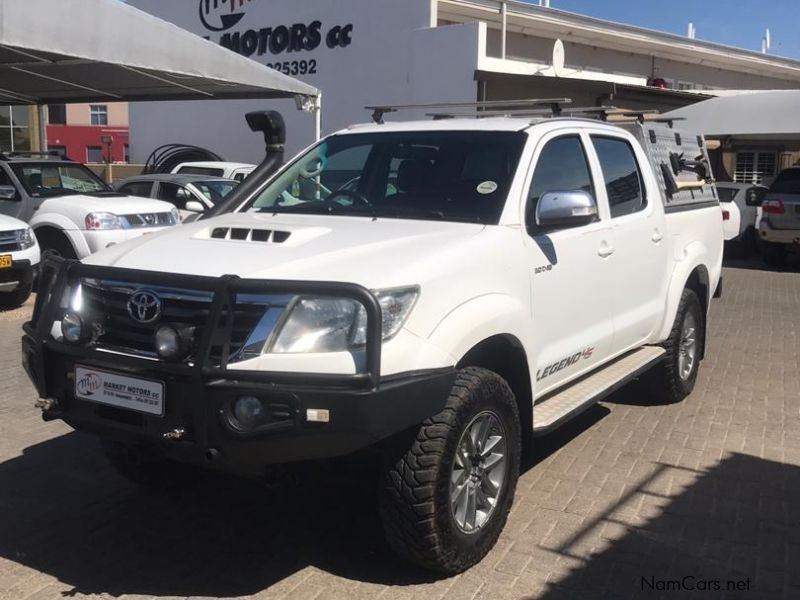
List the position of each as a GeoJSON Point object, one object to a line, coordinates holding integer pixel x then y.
{"type": "Point", "coordinates": [740, 203]}
{"type": "Point", "coordinates": [72, 211]}
{"type": "Point", "coordinates": [211, 168]}
{"type": "Point", "coordinates": [19, 257]}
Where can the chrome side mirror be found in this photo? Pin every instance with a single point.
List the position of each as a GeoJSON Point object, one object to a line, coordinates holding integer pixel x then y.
{"type": "Point", "coordinates": [8, 192]}
{"type": "Point", "coordinates": [566, 209]}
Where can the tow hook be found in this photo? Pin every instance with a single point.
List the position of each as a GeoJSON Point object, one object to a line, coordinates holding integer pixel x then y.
{"type": "Point", "coordinates": [46, 404]}
{"type": "Point", "coordinates": [175, 435]}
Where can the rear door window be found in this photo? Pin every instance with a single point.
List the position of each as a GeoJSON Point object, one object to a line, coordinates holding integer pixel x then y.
{"type": "Point", "coordinates": [137, 188]}
{"type": "Point", "coordinates": [621, 174]}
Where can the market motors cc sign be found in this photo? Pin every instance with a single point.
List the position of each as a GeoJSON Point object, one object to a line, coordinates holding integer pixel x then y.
{"type": "Point", "coordinates": [223, 15]}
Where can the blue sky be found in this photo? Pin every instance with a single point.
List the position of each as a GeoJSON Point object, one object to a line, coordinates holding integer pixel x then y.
{"type": "Point", "coordinates": [738, 23]}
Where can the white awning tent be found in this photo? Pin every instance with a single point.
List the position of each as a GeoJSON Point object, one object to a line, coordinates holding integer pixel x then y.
{"type": "Point", "coordinates": [64, 51]}
{"type": "Point", "coordinates": [762, 115]}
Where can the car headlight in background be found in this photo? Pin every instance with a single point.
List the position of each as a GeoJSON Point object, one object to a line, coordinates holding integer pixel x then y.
{"type": "Point", "coordinates": [175, 217]}
{"type": "Point", "coordinates": [103, 220]}
{"type": "Point", "coordinates": [25, 238]}
{"type": "Point", "coordinates": [328, 324]}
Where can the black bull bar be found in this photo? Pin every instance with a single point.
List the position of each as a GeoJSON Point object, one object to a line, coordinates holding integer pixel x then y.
{"type": "Point", "coordinates": [58, 275]}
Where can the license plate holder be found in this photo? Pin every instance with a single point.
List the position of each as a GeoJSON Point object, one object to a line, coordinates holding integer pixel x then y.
{"type": "Point", "coordinates": [122, 391]}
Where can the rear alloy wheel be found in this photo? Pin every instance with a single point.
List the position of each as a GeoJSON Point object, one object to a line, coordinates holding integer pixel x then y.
{"type": "Point", "coordinates": [673, 379]}
{"type": "Point", "coordinates": [446, 494]}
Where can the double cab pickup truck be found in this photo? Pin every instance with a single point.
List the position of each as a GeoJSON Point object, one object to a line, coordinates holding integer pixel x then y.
{"type": "Point", "coordinates": [437, 292]}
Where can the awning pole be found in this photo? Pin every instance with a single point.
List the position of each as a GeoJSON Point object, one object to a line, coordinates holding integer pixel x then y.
{"type": "Point", "coordinates": [42, 128]}
{"type": "Point", "coordinates": [504, 28]}
{"type": "Point", "coordinates": [318, 117]}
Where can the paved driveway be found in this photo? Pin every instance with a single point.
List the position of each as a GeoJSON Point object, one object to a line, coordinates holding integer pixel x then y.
{"type": "Point", "coordinates": [633, 500]}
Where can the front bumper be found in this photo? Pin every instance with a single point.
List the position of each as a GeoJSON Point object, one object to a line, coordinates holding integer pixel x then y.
{"type": "Point", "coordinates": [779, 236]}
{"type": "Point", "coordinates": [18, 276]}
{"type": "Point", "coordinates": [364, 408]}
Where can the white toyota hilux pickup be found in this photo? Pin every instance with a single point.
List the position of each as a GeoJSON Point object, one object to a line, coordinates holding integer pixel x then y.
{"type": "Point", "coordinates": [439, 292]}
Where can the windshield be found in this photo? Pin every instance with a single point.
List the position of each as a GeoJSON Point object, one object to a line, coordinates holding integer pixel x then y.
{"type": "Point", "coordinates": [444, 175]}
{"type": "Point", "coordinates": [726, 194]}
{"type": "Point", "coordinates": [57, 179]}
{"type": "Point", "coordinates": [788, 182]}
{"type": "Point", "coordinates": [215, 191]}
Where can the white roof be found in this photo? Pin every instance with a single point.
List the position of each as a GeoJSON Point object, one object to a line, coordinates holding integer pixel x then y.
{"type": "Point", "coordinates": [552, 23]}
{"type": "Point", "coordinates": [763, 114]}
{"type": "Point", "coordinates": [61, 51]}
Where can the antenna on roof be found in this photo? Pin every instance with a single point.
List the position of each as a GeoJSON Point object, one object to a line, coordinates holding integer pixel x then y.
{"type": "Point", "coordinates": [545, 3]}
{"type": "Point", "coordinates": [691, 31]}
{"type": "Point", "coordinates": [766, 42]}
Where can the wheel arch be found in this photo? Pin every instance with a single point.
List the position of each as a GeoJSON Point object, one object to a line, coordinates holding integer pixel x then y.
{"type": "Point", "coordinates": [698, 280]}
{"type": "Point", "coordinates": [43, 230]}
{"type": "Point", "coordinates": [505, 355]}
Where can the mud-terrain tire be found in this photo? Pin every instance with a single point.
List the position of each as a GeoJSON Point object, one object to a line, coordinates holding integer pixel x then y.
{"type": "Point", "coordinates": [416, 490]}
{"type": "Point", "coordinates": [150, 470]}
{"type": "Point", "coordinates": [673, 378]}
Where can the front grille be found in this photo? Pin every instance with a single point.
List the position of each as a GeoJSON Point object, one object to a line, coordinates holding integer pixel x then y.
{"type": "Point", "coordinates": [107, 302]}
{"type": "Point", "coordinates": [8, 241]}
{"type": "Point", "coordinates": [149, 220]}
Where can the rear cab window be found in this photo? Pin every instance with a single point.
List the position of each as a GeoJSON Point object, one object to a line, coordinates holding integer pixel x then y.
{"type": "Point", "coordinates": [726, 194]}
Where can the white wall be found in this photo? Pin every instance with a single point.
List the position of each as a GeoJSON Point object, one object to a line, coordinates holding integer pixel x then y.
{"type": "Point", "coordinates": [393, 58]}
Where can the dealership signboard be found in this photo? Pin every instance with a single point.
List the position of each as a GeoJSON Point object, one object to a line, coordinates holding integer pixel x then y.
{"type": "Point", "coordinates": [357, 52]}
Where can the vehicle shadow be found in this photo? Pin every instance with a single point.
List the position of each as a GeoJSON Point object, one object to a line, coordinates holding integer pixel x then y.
{"type": "Point", "coordinates": [730, 532]}
{"type": "Point", "coordinates": [64, 512]}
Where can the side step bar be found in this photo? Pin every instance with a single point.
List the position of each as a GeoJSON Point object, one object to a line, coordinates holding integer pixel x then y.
{"type": "Point", "coordinates": [552, 410]}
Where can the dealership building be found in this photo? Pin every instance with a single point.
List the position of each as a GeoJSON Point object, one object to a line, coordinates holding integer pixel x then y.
{"type": "Point", "coordinates": [366, 52]}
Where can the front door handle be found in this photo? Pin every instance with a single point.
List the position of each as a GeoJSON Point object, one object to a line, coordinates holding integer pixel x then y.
{"type": "Point", "coordinates": [605, 250]}
{"type": "Point", "coordinates": [657, 236]}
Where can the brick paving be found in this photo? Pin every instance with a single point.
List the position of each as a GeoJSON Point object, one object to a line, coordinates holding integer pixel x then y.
{"type": "Point", "coordinates": [620, 503]}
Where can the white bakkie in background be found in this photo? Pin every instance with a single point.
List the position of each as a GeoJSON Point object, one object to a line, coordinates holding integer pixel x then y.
{"type": "Point", "coordinates": [71, 210]}
{"type": "Point", "coordinates": [19, 257]}
{"type": "Point", "coordinates": [437, 291]}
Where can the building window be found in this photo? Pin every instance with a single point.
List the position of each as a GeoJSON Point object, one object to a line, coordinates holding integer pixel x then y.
{"type": "Point", "coordinates": [60, 150]}
{"type": "Point", "coordinates": [754, 167]}
{"type": "Point", "coordinates": [94, 154]}
{"type": "Point", "coordinates": [57, 114]}
{"type": "Point", "coordinates": [99, 114]}
{"type": "Point", "coordinates": [686, 85]}
{"type": "Point", "coordinates": [14, 132]}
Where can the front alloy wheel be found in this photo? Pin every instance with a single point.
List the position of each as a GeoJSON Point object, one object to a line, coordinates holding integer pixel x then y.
{"type": "Point", "coordinates": [479, 472]}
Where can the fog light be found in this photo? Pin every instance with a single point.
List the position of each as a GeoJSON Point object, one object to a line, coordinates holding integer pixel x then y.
{"type": "Point", "coordinates": [72, 327]}
{"type": "Point", "coordinates": [172, 343]}
{"type": "Point", "coordinates": [249, 412]}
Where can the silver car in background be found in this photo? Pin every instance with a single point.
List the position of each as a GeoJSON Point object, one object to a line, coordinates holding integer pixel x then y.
{"type": "Point", "coordinates": [779, 230]}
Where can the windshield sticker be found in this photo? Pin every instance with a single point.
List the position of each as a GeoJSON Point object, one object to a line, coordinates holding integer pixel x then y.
{"type": "Point", "coordinates": [487, 187]}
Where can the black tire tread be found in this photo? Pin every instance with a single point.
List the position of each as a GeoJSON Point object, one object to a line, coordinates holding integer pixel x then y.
{"type": "Point", "coordinates": [408, 507]}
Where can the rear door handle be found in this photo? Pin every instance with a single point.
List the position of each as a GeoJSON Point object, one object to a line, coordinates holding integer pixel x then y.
{"type": "Point", "coordinates": [605, 250]}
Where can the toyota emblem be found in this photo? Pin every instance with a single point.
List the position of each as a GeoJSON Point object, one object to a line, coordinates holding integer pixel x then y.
{"type": "Point", "coordinates": [144, 306]}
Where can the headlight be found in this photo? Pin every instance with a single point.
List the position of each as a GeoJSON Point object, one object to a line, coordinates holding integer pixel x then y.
{"type": "Point", "coordinates": [72, 327]}
{"type": "Point", "coordinates": [25, 238]}
{"type": "Point", "coordinates": [103, 220]}
{"type": "Point", "coordinates": [339, 324]}
{"type": "Point", "coordinates": [175, 216]}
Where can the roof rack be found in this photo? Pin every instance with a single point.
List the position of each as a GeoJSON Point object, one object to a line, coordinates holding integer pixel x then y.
{"type": "Point", "coordinates": [6, 156]}
{"type": "Point", "coordinates": [535, 108]}
{"type": "Point", "coordinates": [554, 106]}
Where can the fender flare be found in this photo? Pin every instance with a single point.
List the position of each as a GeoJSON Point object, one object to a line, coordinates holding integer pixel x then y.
{"type": "Point", "coordinates": [488, 316]}
{"type": "Point", "coordinates": [693, 258]}
{"type": "Point", "coordinates": [65, 226]}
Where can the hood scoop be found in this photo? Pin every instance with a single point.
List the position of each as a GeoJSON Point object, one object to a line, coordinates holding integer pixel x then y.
{"type": "Point", "coordinates": [243, 234]}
